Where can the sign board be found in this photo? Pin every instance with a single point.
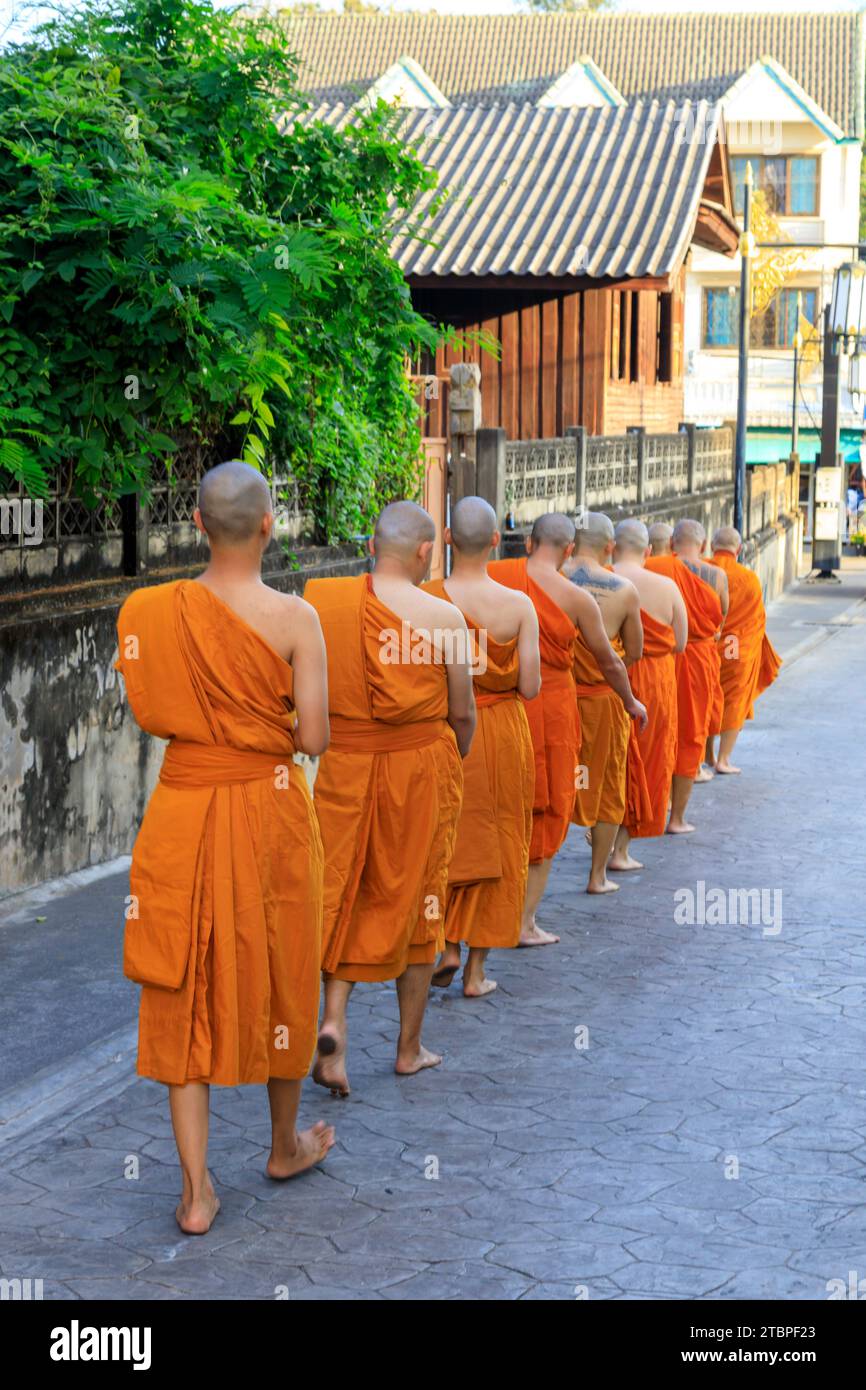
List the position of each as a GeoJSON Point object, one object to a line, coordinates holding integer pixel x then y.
{"type": "Point", "coordinates": [828, 484]}
{"type": "Point", "coordinates": [827, 520]}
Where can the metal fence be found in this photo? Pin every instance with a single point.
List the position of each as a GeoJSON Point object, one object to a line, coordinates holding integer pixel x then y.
{"type": "Point", "coordinates": [59, 538]}
{"type": "Point", "coordinates": [600, 471]}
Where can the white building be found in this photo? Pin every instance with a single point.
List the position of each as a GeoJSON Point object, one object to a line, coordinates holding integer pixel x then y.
{"type": "Point", "coordinates": [792, 91]}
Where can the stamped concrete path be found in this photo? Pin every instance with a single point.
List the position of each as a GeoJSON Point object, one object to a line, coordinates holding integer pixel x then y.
{"type": "Point", "coordinates": [656, 1108]}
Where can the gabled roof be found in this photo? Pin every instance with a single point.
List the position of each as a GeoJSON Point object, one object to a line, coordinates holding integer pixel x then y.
{"type": "Point", "coordinates": [582, 84]}
{"type": "Point", "coordinates": [407, 83]}
{"type": "Point", "coordinates": [518, 57]}
{"type": "Point", "coordinates": [560, 192]}
{"type": "Point", "coordinates": [769, 68]}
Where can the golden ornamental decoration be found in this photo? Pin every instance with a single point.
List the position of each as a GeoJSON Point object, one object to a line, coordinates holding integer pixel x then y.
{"type": "Point", "coordinates": [773, 268]}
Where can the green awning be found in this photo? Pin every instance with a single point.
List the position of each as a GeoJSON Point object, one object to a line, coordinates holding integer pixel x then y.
{"type": "Point", "coordinates": [769, 446]}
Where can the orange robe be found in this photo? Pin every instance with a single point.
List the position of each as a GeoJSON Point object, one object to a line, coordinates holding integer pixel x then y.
{"type": "Point", "coordinates": [224, 923]}
{"type": "Point", "coordinates": [388, 790]}
{"type": "Point", "coordinates": [600, 794]}
{"type": "Point", "coordinates": [487, 875]}
{"type": "Point", "coordinates": [654, 683]}
{"type": "Point", "coordinates": [552, 715]}
{"type": "Point", "coordinates": [698, 666]}
{"type": "Point", "coordinates": [750, 664]}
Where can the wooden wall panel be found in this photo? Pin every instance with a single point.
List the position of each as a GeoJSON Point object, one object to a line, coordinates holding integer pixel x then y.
{"type": "Point", "coordinates": [509, 411]}
{"type": "Point", "coordinates": [530, 352]}
{"type": "Point", "coordinates": [570, 361]}
{"type": "Point", "coordinates": [490, 374]}
{"type": "Point", "coordinates": [549, 389]}
{"type": "Point", "coordinates": [595, 354]}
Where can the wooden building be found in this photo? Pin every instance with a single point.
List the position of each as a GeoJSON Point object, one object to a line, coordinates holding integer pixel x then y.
{"type": "Point", "coordinates": [564, 237]}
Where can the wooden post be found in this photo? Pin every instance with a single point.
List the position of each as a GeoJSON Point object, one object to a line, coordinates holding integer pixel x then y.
{"type": "Point", "coordinates": [490, 469]}
{"type": "Point", "coordinates": [639, 431]}
{"type": "Point", "coordinates": [465, 419]}
{"type": "Point", "coordinates": [690, 430]}
{"type": "Point", "coordinates": [578, 434]}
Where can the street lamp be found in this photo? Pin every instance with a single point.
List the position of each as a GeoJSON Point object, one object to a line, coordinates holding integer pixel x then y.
{"type": "Point", "coordinates": [844, 333]}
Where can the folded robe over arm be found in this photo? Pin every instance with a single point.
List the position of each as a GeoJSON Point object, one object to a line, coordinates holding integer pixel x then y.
{"type": "Point", "coordinates": [604, 740]}
{"type": "Point", "coordinates": [654, 682]}
{"type": "Point", "coordinates": [698, 688]}
{"type": "Point", "coordinates": [388, 790]}
{"type": "Point", "coordinates": [224, 924]}
{"type": "Point", "coordinates": [552, 715]}
{"type": "Point", "coordinates": [487, 875]}
{"type": "Point", "coordinates": [750, 663]}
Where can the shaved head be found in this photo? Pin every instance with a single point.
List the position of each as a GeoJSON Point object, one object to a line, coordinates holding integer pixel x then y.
{"type": "Point", "coordinates": [632, 535]}
{"type": "Point", "coordinates": [686, 533]}
{"type": "Point", "coordinates": [660, 537]}
{"type": "Point", "coordinates": [401, 528]}
{"type": "Point", "coordinates": [233, 499]}
{"type": "Point", "coordinates": [727, 538]}
{"type": "Point", "coordinates": [473, 525]}
{"type": "Point", "coordinates": [594, 532]}
{"type": "Point", "coordinates": [554, 529]}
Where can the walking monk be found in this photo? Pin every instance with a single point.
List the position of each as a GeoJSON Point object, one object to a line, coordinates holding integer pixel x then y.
{"type": "Point", "coordinates": [487, 876]}
{"type": "Point", "coordinates": [552, 715]}
{"type": "Point", "coordinates": [389, 789]}
{"type": "Point", "coordinates": [605, 701]}
{"type": "Point", "coordinates": [749, 661]}
{"type": "Point", "coordinates": [660, 538]}
{"type": "Point", "coordinates": [224, 919]}
{"type": "Point", "coordinates": [654, 682]}
{"type": "Point", "coordinates": [704, 588]}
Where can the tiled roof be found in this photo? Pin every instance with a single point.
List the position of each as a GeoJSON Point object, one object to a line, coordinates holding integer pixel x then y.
{"type": "Point", "coordinates": [542, 191]}
{"type": "Point", "coordinates": [516, 57]}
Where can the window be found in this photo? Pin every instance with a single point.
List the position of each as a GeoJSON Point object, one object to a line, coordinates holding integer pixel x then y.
{"type": "Point", "coordinates": [721, 311]}
{"type": "Point", "coordinates": [624, 335]}
{"type": "Point", "coordinates": [774, 328]}
{"type": "Point", "coordinates": [789, 182]}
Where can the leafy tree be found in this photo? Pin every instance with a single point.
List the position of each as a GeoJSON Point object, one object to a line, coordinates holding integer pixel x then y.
{"type": "Point", "coordinates": [185, 268]}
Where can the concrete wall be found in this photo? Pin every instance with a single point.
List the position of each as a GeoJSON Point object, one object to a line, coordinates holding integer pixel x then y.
{"type": "Point", "coordinates": [75, 769]}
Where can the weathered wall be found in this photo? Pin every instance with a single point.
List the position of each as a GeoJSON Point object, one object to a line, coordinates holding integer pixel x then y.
{"type": "Point", "coordinates": [713, 507]}
{"type": "Point", "coordinates": [75, 770]}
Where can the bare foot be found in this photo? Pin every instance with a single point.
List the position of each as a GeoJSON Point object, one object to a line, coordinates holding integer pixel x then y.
{"type": "Point", "coordinates": [680, 827]}
{"type": "Point", "coordinates": [310, 1147]}
{"type": "Point", "coordinates": [728, 768]}
{"type": "Point", "coordinates": [624, 864]}
{"type": "Point", "coordinates": [535, 936]}
{"type": "Point", "coordinates": [407, 1064]}
{"type": "Point", "coordinates": [329, 1068]}
{"type": "Point", "coordinates": [704, 774]}
{"type": "Point", "coordinates": [196, 1218]}
{"type": "Point", "coordinates": [603, 885]}
{"type": "Point", "coordinates": [476, 989]}
{"type": "Point", "coordinates": [449, 964]}
{"type": "Point", "coordinates": [588, 837]}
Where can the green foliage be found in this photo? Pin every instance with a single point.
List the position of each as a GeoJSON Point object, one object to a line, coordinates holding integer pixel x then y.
{"type": "Point", "coordinates": [183, 269]}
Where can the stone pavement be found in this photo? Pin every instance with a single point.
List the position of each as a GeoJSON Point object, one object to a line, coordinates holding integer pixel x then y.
{"type": "Point", "coordinates": [653, 1109]}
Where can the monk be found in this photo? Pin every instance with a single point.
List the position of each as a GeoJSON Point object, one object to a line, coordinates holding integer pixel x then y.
{"type": "Point", "coordinates": [704, 589]}
{"type": "Point", "coordinates": [749, 662]}
{"type": "Point", "coordinates": [224, 918]}
{"type": "Point", "coordinates": [487, 875]}
{"type": "Point", "coordinates": [654, 682]}
{"type": "Point", "coordinates": [605, 704]}
{"type": "Point", "coordinates": [563, 610]}
{"type": "Point", "coordinates": [660, 538]}
{"type": "Point", "coordinates": [389, 789]}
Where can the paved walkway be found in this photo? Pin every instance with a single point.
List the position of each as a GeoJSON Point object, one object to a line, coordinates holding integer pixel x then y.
{"type": "Point", "coordinates": [651, 1109]}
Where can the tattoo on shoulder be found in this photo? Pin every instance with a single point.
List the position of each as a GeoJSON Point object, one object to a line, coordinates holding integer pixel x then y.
{"type": "Point", "coordinates": [595, 582]}
{"type": "Point", "coordinates": [708, 573]}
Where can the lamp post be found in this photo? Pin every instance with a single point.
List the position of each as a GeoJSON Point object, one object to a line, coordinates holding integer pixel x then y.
{"type": "Point", "coordinates": [844, 331]}
{"type": "Point", "coordinates": [746, 252]}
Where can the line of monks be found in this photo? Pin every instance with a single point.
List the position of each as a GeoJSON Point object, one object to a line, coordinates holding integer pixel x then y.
{"type": "Point", "coordinates": [462, 725]}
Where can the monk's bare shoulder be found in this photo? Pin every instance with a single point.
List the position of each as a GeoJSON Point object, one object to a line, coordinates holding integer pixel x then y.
{"type": "Point", "coordinates": [512, 601]}
{"type": "Point", "coordinates": [599, 584]}
{"type": "Point", "coordinates": [713, 575]}
{"type": "Point", "coordinates": [439, 612]}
